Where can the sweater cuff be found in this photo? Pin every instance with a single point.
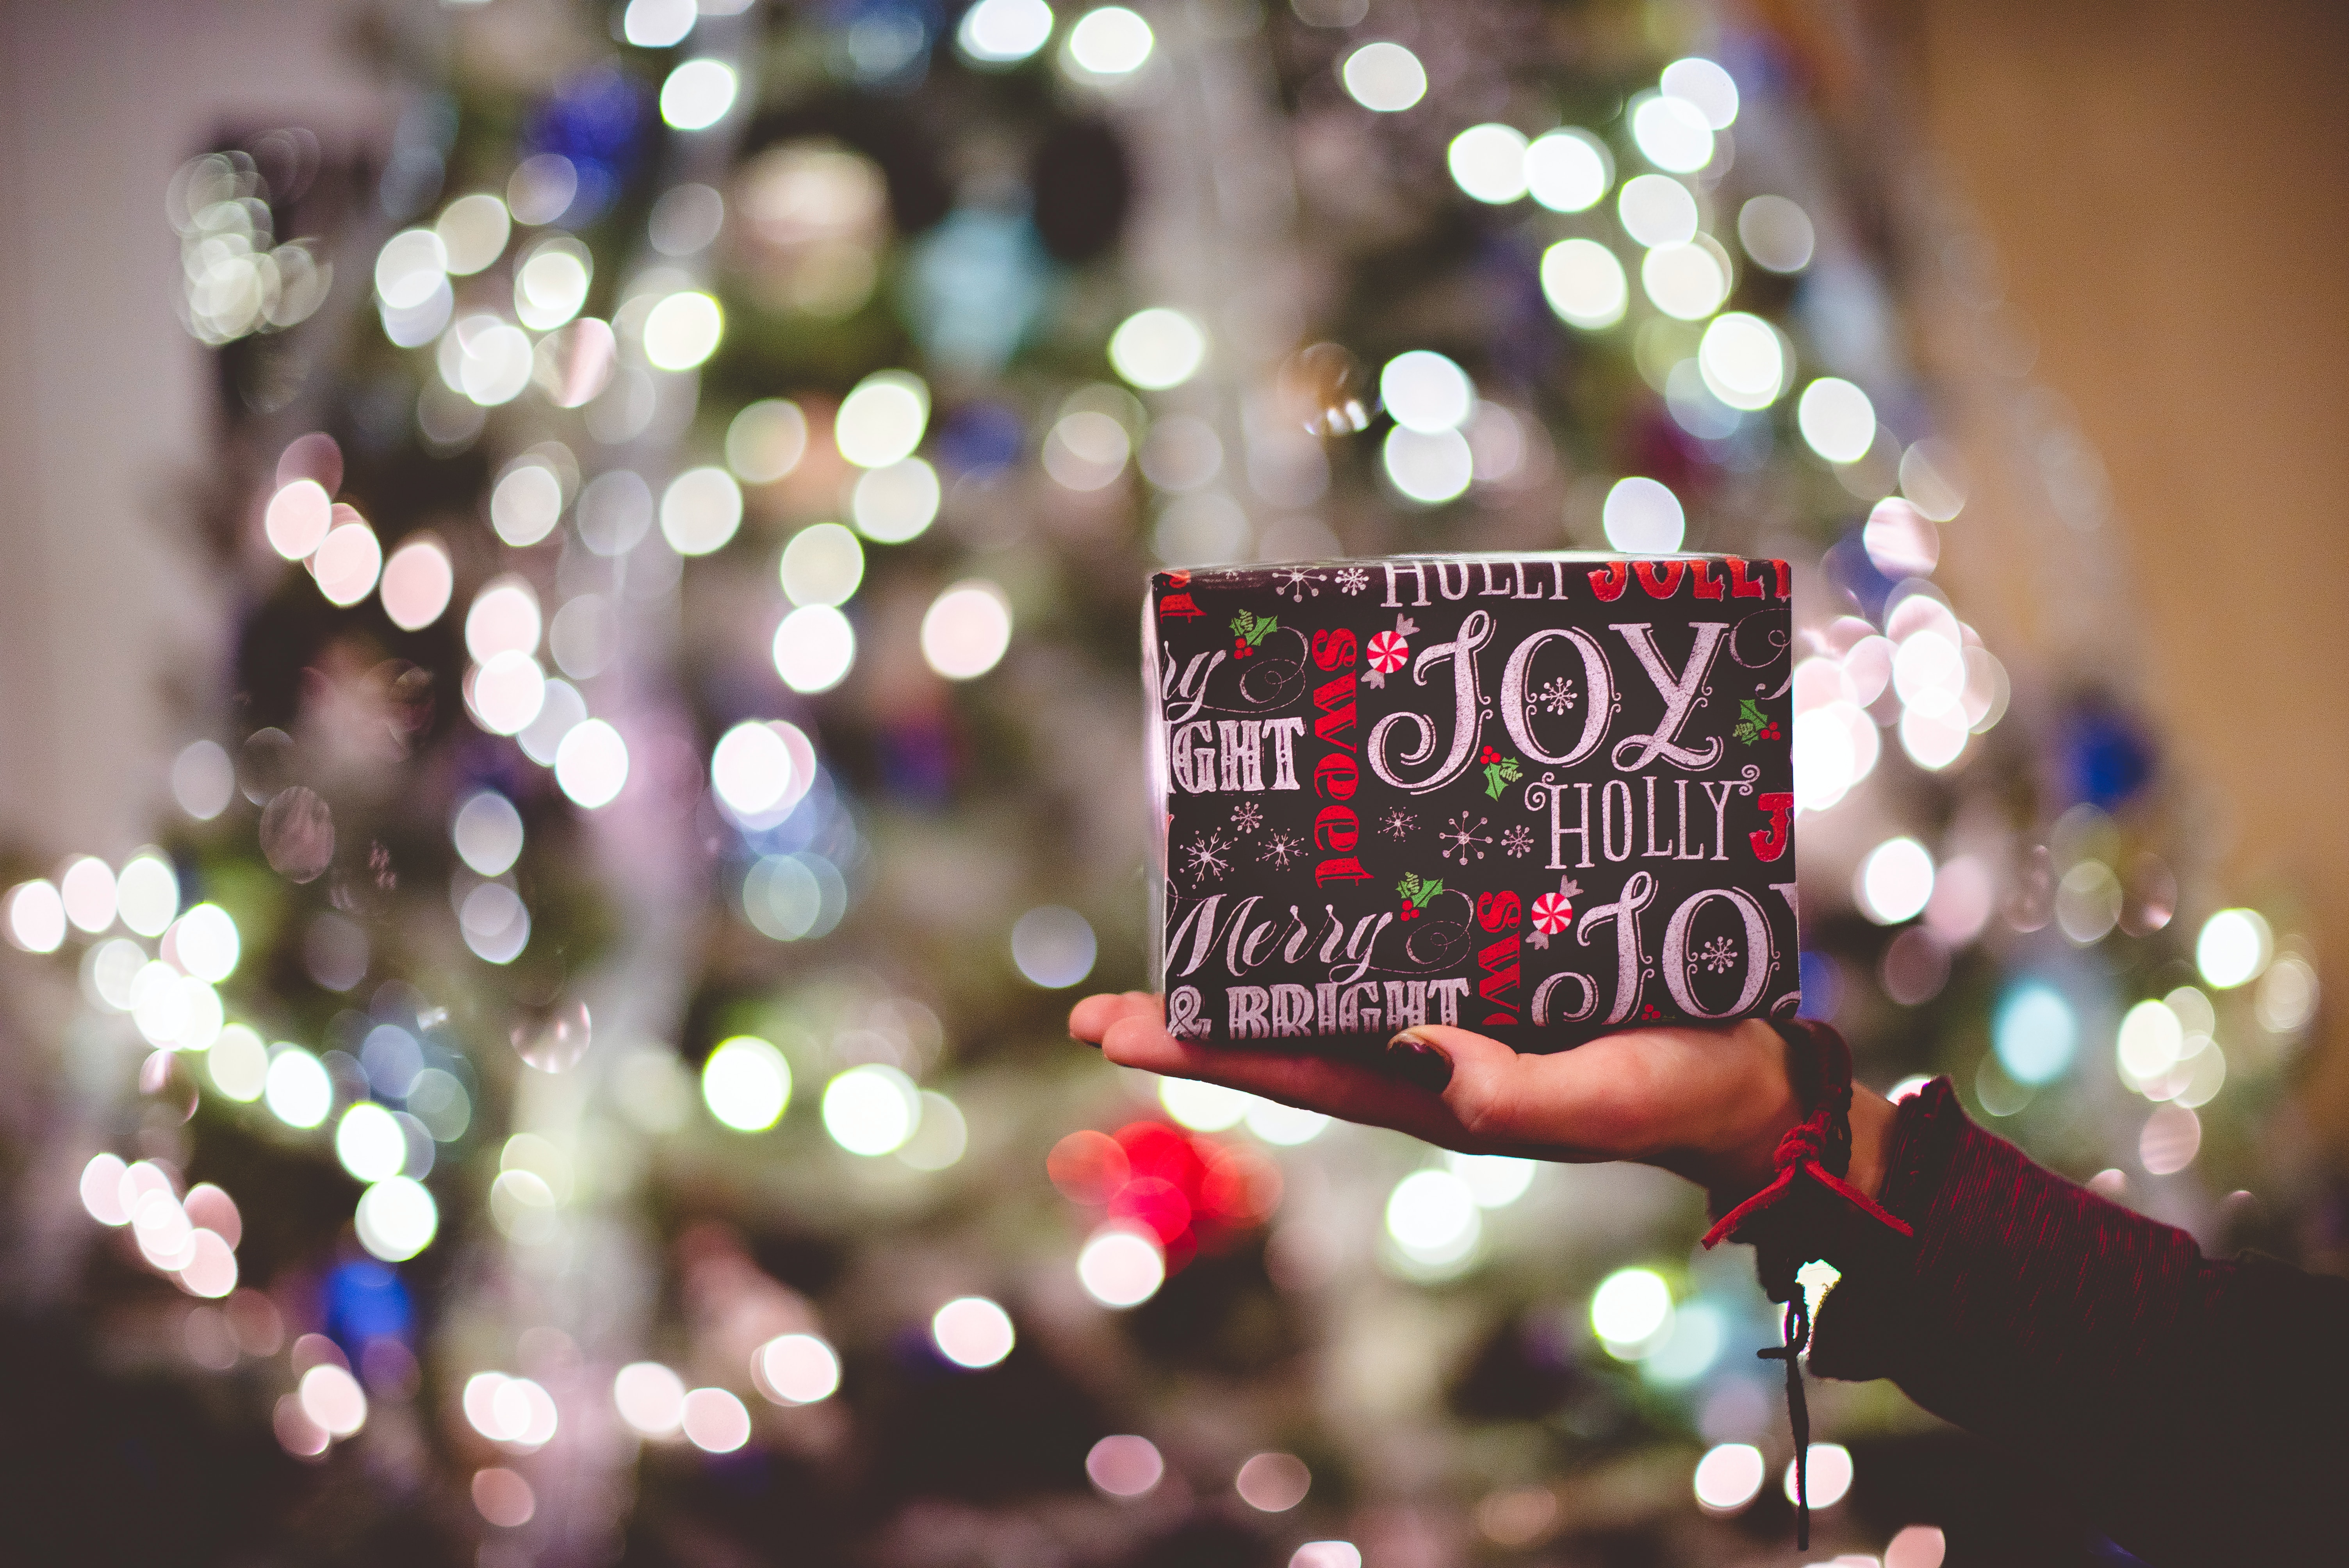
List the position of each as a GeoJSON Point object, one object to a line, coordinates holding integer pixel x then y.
{"type": "Point", "coordinates": [2018, 1284]}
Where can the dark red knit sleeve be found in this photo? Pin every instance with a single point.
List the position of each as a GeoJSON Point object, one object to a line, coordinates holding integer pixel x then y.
{"type": "Point", "coordinates": [2193, 1408]}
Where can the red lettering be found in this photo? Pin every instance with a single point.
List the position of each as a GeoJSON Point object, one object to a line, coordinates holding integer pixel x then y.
{"type": "Point", "coordinates": [1499, 963]}
{"type": "Point", "coordinates": [1336, 701]}
{"type": "Point", "coordinates": [1335, 776]}
{"type": "Point", "coordinates": [1701, 579]}
{"type": "Point", "coordinates": [1609, 580]}
{"type": "Point", "coordinates": [1785, 584]}
{"type": "Point", "coordinates": [1672, 581]}
{"type": "Point", "coordinates": [1178, 606]}
{"type": "Point", "coordinates": [1740, 585]}
{"type": "Point", "coordinates": [1498, 911]}
{"type": "Point", "coordinates": [1333, 649]}
{"type": "Point", "coordinates": [1770, 842]}
{"type": "Point", "coordinates": [1348, 870]}
{"type": "Point", "coordinates": [1340, 826]}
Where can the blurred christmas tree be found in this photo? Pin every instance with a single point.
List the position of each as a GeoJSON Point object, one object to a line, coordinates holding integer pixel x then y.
{"type": "Point", "coordinates": [592, 1048]}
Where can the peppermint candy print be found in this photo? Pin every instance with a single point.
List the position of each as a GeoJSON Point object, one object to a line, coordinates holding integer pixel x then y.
{"type": "Point", "coordinates": [1389, 653]}
{"type": "Point", "coordinates": [1553, 912]}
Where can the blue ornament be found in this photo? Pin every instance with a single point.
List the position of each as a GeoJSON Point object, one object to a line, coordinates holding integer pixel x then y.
{"type": "Point", "coordinates": [597, 120]}
{"type": "Point", "coordinates": [1848, 568]}
{"type": "Point", "coordinates": [975, 282]}
{"type": "Point", "coordinates": [2105, 756]}
{"type": "Point", "coordinates": [365, 1300]}
{"type": "Point", "coordinates": [978, 438]}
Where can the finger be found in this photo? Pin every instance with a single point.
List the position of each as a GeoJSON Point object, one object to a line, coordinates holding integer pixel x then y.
{"type": "Point", "coordinates": [1350, 1091]}
{"type": "Point", "coordinates": [1573, 1104]}
{"type": "Point", "coordinates": [1090, 1019]}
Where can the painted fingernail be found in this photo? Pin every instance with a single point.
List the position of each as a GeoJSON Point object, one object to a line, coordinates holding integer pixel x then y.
{"type": "Point", "coordinates": [1412, 1058]}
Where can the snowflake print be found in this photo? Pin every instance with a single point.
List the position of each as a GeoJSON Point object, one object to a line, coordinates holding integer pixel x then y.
{"type": "Point", "coordinates": [1295, 583]}
{"type": "Point", "coordinates": [1397, 822]}
{"type": "Point", "coordinates": [1715, 957]}
{"type": "Point", "coordinates": [1459, 839]}
{"type": "Point", "coordinates": [1248, 817]}
{"type": "Point", "coordinates": [1209, 857]}
{"type": "Point", "coordinates": [1518, 840]}
{"type": "Point", "coordinates": [1281, 849]}
{"type": "Point", "coordinates": [1352, 580]}
{"type": "Point", "coordinates": [1555, 696]}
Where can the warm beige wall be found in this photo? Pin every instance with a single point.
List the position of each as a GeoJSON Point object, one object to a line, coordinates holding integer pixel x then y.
{"type": "Point", "coordinates": [2164, 182]}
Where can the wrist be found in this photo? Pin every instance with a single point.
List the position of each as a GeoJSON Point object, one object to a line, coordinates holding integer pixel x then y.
{"type": "Point", "coordinates": [1737, 1149]}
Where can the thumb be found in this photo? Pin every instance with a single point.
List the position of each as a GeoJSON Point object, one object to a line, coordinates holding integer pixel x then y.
{"type": "Point", "coordinates": [1482, 1080]}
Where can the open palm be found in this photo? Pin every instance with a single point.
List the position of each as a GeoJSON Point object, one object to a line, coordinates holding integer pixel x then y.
{"type": "Point", "coordinates": [1708, 1104]}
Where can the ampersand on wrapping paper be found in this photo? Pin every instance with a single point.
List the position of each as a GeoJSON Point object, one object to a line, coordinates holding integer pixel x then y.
{"type": "Point", "coordinates": [1183, 1019]}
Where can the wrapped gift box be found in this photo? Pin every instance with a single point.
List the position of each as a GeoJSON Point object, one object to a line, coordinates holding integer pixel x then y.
{"type": "Point", "coordinates": [1539, 796]}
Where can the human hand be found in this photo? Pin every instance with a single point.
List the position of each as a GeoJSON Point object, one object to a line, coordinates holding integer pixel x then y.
{"type": "Point", "coordinates": [1706, 1104]}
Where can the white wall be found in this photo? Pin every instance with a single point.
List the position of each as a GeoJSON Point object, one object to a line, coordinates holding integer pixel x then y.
{"type": "Point", "coordinates": [104, 403]}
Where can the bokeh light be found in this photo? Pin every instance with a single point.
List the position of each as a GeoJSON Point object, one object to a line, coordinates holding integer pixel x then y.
{"type": "Point", "coordinates": [1895, 880]}
{"type": "Point", "coordinates": [871, 1110]}
{"type": "Point", "coordinates": [1642, 517]}
{"type": "Point", "coordinates": [966, 630]}
{"type": "Point", "coordinates": [972, 1332]}
{"type": "Point", "coordinates": [798, 1369]}
{"type": "Point", "coordinates": [1742, 361]}
{"type": "Point", "coordinates": [1488, 162]}
{"type": "Point", "coordinates": [1584, 284]}
{"type": "Point", "coordinates": [397, 1219]}
{"type": "Point", "coordinates": [1003, 32]}
{"type": "Point", "coordinates": [881, 420]}
{"type": "Point", "coordinates": [650, 1398]}
{"type": "Point", "coordinates": [1827, 1474]}
{"type": "Point", "coordinates": [1053, 946]}
{"type": "Point", "coordinates": [417, 582]}
{"type": "Point", "coordinates": [297, 1090]}
{"type": "Point", "coordinates": [1630, 1312]}
{"type": "Point", "coordinates": [1569, 171]}
{"type": "Point", "coordinates": [1273, 1482]}
{"type": "Point", "coordinates": [1837, 420]}
{"type": "Point", "coordinates": [591, 766]}
{"type": "Point", "coordinates": [698, 93]}
{"type": "Point", "coordinates": [700, 511]}
{"type": "Point", "coordinates": [1657, 209]}
{"type": "Point", "coordinates": [347, 562]}
{"type": "Point", "coordinates": [1432, 1217]}
{"type": "Point", "coordinates": [1425, 391]}
{"type": "Point", "coordinates": [766, 440]}
{"type": "Point", "coordinates": [2034, 1032]}
{"type": "Point", "coordinates": [1157, 348]}
{"type": "Point", "coordinates": [2233, 948]}
{"type": "Point", "coordinates": [823, 564]}
{"type": "Point", "coordinates": [1729, 1476]}
{"type": "Point", "coordinates": [1672, 133]}
{"type": "Point", "coordinates": [297, 519]}
{"type": "Point", "coordinates": [1108, 41]}
{"type": "Point", "coordinates": [746, 1084]}
{"type": "Point", "coordinates": [1428, 467]}
{"type": "Point", "coordinates": [1704, 84]}
{"type": "Point", "coordinates": [203, 779]}
{"type": "Point", "coordinates": [370, 1144]}
{"type": "Point", "coordinates": [1125, 1466]}
{"type": "Point", "coordinates": [1776, 234]}
{"type": "Point", "coordinates": [1384, 77]}
{"type": "Point", "coordinates": [896, 502]}
{"type": "Point", "coordinates": [487, 832]}
{"type": "Point", "coordinates": [1120, 1266]}
{"type": "Point", "coordinates": [715, 1420]}
{"type": "Point", "coordinates": [682, 330]}
{"type": "Point", "coordinates": [815, 648]}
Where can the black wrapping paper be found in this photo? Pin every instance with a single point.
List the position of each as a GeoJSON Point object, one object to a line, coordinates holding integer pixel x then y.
{"type": "Point", "coordinates": [1539, 796]}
